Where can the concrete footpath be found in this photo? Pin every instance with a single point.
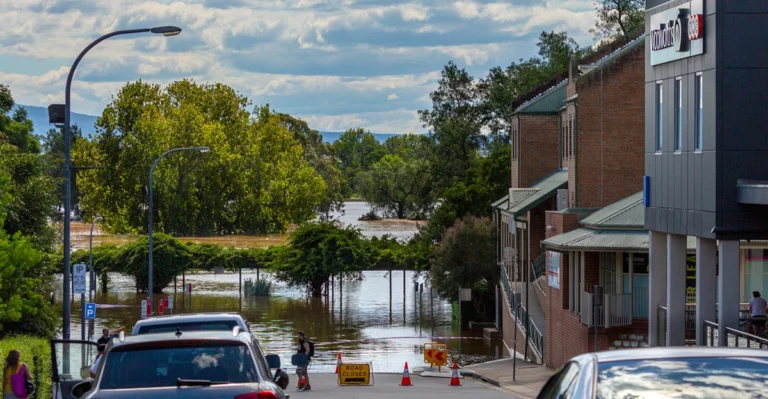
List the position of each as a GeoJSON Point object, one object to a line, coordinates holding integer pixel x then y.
{"type": "Point", "coordinates": [530, 378]}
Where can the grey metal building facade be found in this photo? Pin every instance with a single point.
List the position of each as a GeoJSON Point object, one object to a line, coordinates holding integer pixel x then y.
{"type": "Point", "coordinates": [706, 149]}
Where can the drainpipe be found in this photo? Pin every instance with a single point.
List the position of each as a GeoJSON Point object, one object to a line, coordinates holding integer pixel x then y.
{"type": "Point", "coordinates": [575, 153]}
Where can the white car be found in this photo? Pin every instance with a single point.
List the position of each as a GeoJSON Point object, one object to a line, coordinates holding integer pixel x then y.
{"type": "Point", "coordinates": [191, 322]}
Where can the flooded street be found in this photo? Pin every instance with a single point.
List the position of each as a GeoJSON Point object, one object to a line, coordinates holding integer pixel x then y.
{"type": "Point", "coordinates": [355, 321]}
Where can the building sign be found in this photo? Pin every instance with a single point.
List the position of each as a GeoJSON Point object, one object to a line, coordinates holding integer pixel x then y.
{"type": "Point", "coordinates": [690, 279]}
{"type": "Point", "coordinates": [639, 263]}
{"type": "Point", "coordinates": [553, 269]}
{"type": "Point", "coordinates": [677, 33]}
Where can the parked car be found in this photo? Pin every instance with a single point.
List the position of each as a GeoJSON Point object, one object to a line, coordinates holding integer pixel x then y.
{"type": "Point", "coordinates": [191, 322]}
{"type": "Point", "coordinates": [189, 365]}
{"type": "Point", "coordinates": [689, 372]}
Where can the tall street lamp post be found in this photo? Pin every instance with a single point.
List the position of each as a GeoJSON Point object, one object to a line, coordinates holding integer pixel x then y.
{"type": "Point", "coordinates": [165, 31]}
{"type": "Point", "coordinates": [92, 285]}
{"type": "Point", "coordinates": [151, 173]}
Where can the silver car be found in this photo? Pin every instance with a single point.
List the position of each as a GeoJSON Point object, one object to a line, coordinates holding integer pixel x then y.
{"type": "Point", "coordinates": [690, 372]}
{"type": "Point", "coordinates": [191, 322]}
{"type": "Point", "coordinates": [189, 365]}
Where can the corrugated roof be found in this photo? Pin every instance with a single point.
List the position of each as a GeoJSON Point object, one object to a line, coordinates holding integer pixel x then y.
{"type": "Point", "coordinates": [586, 239]}
{"type": "Point", "coordinates": [537, 193]}
{"type": "Point", "coordinates": [628, 213]}
{"type": "Point", "coordinates": [502, 204]}
{"type": "Point", "coordinates": [550, 100]}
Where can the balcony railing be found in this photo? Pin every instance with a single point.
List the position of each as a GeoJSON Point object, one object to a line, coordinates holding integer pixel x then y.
{"type": "Point", "coordinates": [615, 310]}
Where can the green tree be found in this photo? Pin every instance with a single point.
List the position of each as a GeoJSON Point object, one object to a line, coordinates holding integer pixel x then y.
{"type": "Point", "coordinates": [356, 151]}
{"type": "Point", "coordinates": [53, 150]}
{"type": "Point", "coordinates": [15, 127]}
{"type": "Point", "coordinates": [398, 187]}
{"type": "Point", "coordinates": [466, 258]}
{"type": "Point", "coordinates": [254, 180]}
{"type": "Point", "coordinates": [617, 19]}
{"type": "Point", "coordinates": [317, 251]}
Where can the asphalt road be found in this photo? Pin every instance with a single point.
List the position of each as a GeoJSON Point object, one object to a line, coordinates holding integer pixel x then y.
{"type": "Point", "coordinates": [386, 386]}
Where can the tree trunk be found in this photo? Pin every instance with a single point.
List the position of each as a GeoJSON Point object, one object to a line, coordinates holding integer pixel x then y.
{"type": "Point", "coordinates": [401, 210]}
{"type": "Point", "coordinates": [317, 287]}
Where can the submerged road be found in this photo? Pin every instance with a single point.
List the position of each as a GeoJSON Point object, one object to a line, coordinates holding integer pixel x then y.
{"type": "Point", "coordinates": [386, 386]}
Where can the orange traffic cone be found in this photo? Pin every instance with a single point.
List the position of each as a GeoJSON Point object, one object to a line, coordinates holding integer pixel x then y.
{"type": "Point", "coordinates": [338, 362]}
{"type": "Point", "coordinates": [406, 381]}
{"type": "Point", "coordinates": [455, 376]}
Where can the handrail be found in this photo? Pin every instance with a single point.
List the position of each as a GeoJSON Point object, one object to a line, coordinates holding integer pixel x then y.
{"type": "Point", "coordinates": [539, 266]}
{"type": "Point", "coordinates": [536, 278]}
{"type": "Point", "coordinates": [521, 313]}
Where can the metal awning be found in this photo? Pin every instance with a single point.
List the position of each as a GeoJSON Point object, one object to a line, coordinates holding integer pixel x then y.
{"type": "Point", "coordinates": [522, 200]}
{"type": "Point", "coordinates": [584, 239]}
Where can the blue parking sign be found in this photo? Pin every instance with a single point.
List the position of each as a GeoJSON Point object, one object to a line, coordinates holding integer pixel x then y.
{"type": "Point", "coordinates": [90, 310]}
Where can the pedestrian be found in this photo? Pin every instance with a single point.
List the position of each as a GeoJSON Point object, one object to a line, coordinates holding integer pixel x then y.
{"type": "Point", "coordinates": [104, 339]}
{"type": "Point", "coordinates": [757, 308]}
{"type": "Point", "coordinates": [306, 348]}
{"type": "Point", "coordinates": [95, 366]}
{"type": "Point", "coordinates": [15, 388]}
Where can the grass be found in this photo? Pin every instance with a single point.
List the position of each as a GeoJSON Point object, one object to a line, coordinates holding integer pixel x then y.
{"type": "Point", "coordinates": [36, 353]}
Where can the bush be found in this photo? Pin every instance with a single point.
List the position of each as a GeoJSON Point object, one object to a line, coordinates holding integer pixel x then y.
{"type": "Point", "coordinates": [36, 353]}
{"type": "Point", "coordinates": [261, 287]}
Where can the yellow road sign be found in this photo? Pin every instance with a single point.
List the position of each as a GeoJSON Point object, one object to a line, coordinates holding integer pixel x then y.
{"type": "Point", "coordinates": [435, 354]}
{"type": "Point", "coordinates": [355, 374]}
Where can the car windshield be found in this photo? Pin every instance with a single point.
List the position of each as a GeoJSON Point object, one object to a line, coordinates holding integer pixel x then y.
{"type": "Point", "coordinates": [160, 367]}
{"type": "Point", "coordinates": [218, 325]}
{"type": "Point", "coordinates": [694, 378]}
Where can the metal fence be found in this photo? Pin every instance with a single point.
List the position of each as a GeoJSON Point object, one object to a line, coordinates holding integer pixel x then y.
{"type": "Point", "coordinates": [521, 315]}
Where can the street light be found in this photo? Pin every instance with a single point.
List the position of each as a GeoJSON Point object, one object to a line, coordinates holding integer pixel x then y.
{"type": "Point", "coordinates": [152, 172]}
{"type": "Point", "coordinates": [165, 31]}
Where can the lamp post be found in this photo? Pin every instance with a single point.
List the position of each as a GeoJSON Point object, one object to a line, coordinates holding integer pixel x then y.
{"type": "Point", "coordinates": [92, 285]}
{"type": "Point", "coordinates": [151, 173]}
{"type": "Point", "coordinates": [165, 31]}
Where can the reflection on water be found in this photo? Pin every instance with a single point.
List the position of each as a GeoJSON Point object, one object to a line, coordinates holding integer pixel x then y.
{"type": "Point", "coordinates": [360, 315]}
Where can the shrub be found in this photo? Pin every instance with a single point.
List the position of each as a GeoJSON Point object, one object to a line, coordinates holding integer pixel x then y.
{"type": "Point", "coordinates": [36, 353]}
{"type": "Point", "coordinates": [262, 287]}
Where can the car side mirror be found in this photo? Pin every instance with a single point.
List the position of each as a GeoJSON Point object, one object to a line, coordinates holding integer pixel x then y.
{"type": "Point", "coordinates": [81, 388]}
{"type": "Point", "coordinates": [273, 361]}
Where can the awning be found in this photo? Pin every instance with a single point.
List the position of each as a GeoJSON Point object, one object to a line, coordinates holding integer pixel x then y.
{"type": "Point", "coordinates": [522, 200]}
{"type": "Point", "coordinates": [584, 239]}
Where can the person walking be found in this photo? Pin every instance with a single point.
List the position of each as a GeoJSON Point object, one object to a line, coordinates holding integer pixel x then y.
{"type": "Point", "coordinates": [13, 366]}
{"type": "Point", "coordinates": [301, 369]}
{"type": "Point", "coordinates": [757, 308]}
{"type": "Point", "coordinates": [95, 366]}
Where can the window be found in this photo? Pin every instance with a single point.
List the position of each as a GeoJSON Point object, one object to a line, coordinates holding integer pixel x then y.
{"type": "Point", "coordinates": [220, 325]}
{"type": "Point", "coordinates": [559, 383]}
{"type": "Point", "coordinates": [678, 114]}
{"type": "Point", "coordinates": [659, 117]}
{"type": "Point", "coordinates": [699, 107]}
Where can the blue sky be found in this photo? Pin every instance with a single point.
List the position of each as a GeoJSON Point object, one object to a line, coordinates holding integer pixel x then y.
{"type": "Point", "coordinates": [336, 63]}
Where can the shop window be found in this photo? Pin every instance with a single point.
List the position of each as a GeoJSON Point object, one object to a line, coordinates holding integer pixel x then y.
{"type": "Point", "coordinates": [678, 114]}
{"type": "Point", "coordinates": [659, 117]}
{"type": "Point", "coordinates": [699, 109]}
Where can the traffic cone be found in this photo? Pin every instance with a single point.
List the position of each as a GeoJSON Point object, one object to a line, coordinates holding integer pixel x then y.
{"type": "Point", "coordinates": [338, 362]}
{"type": "Point", "coordinates": [406, 381]}
{"type": "Point", "coordinates": [455, 382]}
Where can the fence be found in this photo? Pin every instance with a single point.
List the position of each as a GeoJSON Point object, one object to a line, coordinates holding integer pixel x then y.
{"type": "Point", "coordinates": [521, 315]}
{"type": "Point", "coordinates": [618, 310]}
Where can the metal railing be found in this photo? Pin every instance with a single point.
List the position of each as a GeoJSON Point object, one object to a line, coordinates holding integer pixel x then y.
{"type": "Point", "coordinates": [521, 314]}
{"type": "Point", "coordinates": [617, 310]}
{"type": "Point", "coordinates": [661, 326]}
{"type": "Point", "coordinates": [537, 278]}
{"type": "Point", "coordinates": [734, 337]}
{"type": "Point", "coordinates": [540, 266]}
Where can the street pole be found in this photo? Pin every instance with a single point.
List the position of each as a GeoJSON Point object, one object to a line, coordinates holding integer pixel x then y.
{"type": "Point", "coordinates": [240, 281]}
{"type": "Point", "coordinates": [166, 31]}
{"type": "Point", "coordinates": [431, 310]}
{"type": "Point", "coordinates": [527, 312]}
{"type": "Point", "coordinates": [421, 307]}
{"type": "Point", "coordinates": [390, 296]}
{"type": "Point", "coordinates": [514, 346]}
{"type": "Point", "coordinates": [459, 325]}
{"type": "Point", "coordinates": [596, 311]}
{"type": "Point", "coordinates": [151, 173]}
{"type": "Point", "coordinates": [405, 322]}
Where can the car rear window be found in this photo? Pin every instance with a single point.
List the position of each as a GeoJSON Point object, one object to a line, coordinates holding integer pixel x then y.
{"type": "Point", "coordinates": [219, 325]}
{"type": "Point", "coordinates": [730, 377]}
{"type": "Point", "coordinates": [160, 367]}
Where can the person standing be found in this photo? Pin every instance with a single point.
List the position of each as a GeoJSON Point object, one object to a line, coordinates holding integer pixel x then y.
{"type": "Point", "coordinates": [104, 339]}
{"type": "Point", "coordinates": [757, 308]}
{"type": "Point", "coordinates": [13, 366]}
{"type": "Point", "coordinates": [95, 366]}
{"type": "Point", "coordinates": [301, 369]}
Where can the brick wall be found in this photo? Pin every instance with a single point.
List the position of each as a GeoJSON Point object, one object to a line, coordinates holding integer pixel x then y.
{"type": "Point", "coordinates": [538, 156]}
{"type": "Point", "coordinates": [611, 132]}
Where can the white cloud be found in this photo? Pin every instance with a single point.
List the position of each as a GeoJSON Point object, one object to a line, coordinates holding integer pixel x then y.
{"type": "Point", "coordinates": [392, 97]}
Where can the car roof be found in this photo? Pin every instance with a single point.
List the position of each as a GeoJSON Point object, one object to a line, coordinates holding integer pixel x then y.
{"type": "Point", "coordinates": [188, 317]}
{"type": "Point", "coordinates": [674, 352]}
{"type": "Point", "coordinates": [142, 339]}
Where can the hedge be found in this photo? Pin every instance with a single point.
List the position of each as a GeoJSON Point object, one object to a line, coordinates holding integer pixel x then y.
{"type": "Point", "coordinates": [36, 353]}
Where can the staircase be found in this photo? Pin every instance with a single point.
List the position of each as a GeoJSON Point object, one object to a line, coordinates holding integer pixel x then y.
{"type": "Point", "coordinates": [628, 341]}
{"type": "Point", "coordinates": [514, 293]}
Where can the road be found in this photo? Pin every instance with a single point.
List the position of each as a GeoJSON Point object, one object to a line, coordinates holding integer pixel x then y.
{"type": "Point", "coordinates": [386, 386]}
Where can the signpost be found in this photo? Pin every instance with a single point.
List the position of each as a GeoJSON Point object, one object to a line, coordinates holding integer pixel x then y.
{"type": "Point", "coordinates": [90, 311]}
{"type": "Point", "coordinates": [146, 308]}
{"type": "Point", "coordinates": [169, 303]}
{"type": "Point", "coordinates": [465, 295]}
{"type": "Point", "coordinates": [161, 306]}
{"type": "Point", "coordinates": [79, 271]}
{"type": "Point", "coordinates": [355, 374]}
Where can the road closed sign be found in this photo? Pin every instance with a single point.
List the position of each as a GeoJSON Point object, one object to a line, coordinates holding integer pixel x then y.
{"type": "Point", "coordinates": [355, 374]}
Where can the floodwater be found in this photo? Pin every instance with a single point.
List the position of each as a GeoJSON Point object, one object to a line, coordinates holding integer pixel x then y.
{"type": "Point", "coordinates": [400, 229]}
{"type": "Point", "coordinates": [355, 323]}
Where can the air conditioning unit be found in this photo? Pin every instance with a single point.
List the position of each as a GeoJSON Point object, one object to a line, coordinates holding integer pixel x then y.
{"type": "Point", "coordinates": [562, 199]}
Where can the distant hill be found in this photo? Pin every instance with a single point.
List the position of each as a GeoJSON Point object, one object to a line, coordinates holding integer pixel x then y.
{"type": "Point", "coordinates": [39, 118]}
{"type": "Point", "coordinates": [331, 137]}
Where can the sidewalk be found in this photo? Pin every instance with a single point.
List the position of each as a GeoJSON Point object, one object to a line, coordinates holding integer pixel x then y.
{"type": "Point", "coordinates": [530, 378]}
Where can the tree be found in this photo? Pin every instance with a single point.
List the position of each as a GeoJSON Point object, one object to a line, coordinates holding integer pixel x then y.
{"type": "Point", "coordinates": [356, 151]}
{"type": "Point", "coordinates": [466, 258]}
{"type": "Point", "coordinates": [397, 187]}
{"type": "Point", "coordinates": [317, 251]}
{"type": "Point", "coordinates": [618, 19]}
{"type": "Point", "coordinates": [255, 179]}
{"type": "Point", "coordinates": [53, 150]}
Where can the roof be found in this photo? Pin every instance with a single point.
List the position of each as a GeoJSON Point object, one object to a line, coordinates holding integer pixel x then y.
{"type": "Point", "coordinates": [607, 58]}
{"type": "Point", "coordinates": [521, 200]}
{"type": "Point", "coordinates": [502, 204]}
{"type": "Point", "coordinates": [190, 317]}
{"type": "Point", "coordinates": [144, 339]}
{"type": "Point", "coordinates": [550, 100]}
{"type": "Point", "coordinates": [594, 240]}
{"type": "Point", "coordinates": [675, 352]}
{"type": "Point", "coordinates": [628, 213]}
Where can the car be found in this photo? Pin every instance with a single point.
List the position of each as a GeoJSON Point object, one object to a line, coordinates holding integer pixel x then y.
{"type": "Point", "coordinates": [688, 372]}
{"type": "Point", "coordinates": [191, 322]}
{"type": "Point", "coordinates": [189, 365]}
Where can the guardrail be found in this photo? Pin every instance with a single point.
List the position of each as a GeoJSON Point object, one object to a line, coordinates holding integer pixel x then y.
{"type": "Point", "coordinates": [521, 315]}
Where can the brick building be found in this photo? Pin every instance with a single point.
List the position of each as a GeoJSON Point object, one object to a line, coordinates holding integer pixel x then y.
{"type": "Point", "coordinates": [600, 138]}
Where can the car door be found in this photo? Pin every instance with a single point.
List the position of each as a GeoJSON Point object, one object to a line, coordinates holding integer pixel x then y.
{"type": "Point", "coordinates": [71, 362]}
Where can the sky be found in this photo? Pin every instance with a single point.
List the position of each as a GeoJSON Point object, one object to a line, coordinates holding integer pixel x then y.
{"type": "Point", "coordinates": [337, 64]}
